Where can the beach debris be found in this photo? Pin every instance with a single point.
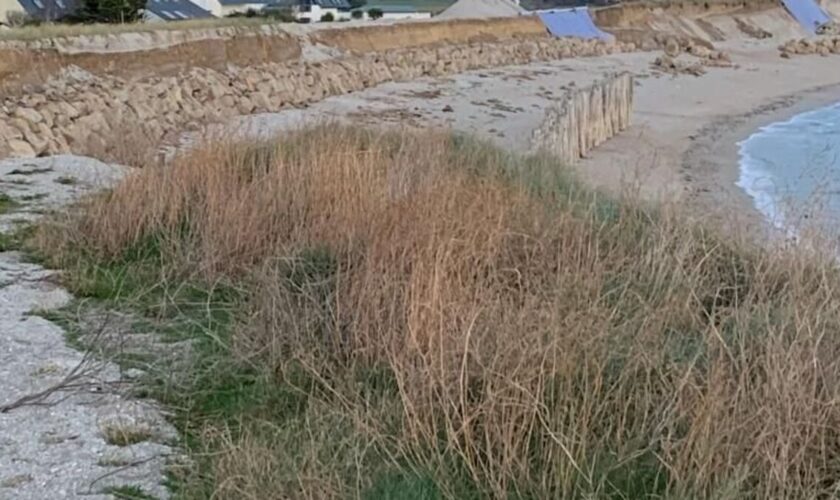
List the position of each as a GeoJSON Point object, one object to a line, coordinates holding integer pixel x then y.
{"type": "Point", "coordinates": [671, 65]}
{"type": "Point", "coordinates": [704, 57]}
{"type": "Point", "coordinates": [822, 46]}
{"type": "Point", "coordinates": [830, 28]}
{"type": "Point", "coordinates": [752, 30]}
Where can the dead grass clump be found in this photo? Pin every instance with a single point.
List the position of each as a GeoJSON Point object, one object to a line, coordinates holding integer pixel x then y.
{"type": "Point", "coordinates": [445, 314]}
{"type": "Point", "coordinates": [131, 144]}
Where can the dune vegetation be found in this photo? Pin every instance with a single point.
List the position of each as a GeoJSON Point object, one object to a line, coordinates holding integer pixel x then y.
{"type": "Point", "coordinates": [423, 316]}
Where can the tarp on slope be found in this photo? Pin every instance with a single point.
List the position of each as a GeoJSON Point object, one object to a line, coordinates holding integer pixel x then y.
{"type": "Point", "coordinates": [572, 22]}
{"type": "Point", "coordinates": [481, 9]}
{"type": "Point", "coordinates": [808, 13]}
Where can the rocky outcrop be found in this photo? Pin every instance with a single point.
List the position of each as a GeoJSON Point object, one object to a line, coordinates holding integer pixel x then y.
{"type": "Point", "coordinates": [77, 111]}
{"type": "Point", "coordinates": [585, 118]}
{"type": "Point", "coordinates": [823, 46]}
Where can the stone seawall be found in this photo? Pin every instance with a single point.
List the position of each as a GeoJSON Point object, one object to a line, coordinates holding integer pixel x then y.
{"type": "Point", "coordinates": [79, 112]}
{"type": "Point", "coordinates": [166, 52]}
{"type": "Point", "coordinates": [586, 118]}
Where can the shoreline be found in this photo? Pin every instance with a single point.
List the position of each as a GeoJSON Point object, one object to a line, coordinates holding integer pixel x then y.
{"type": "Point", "coordinates": [682, 147]}
{"type": "Point", "coordinates": [718, 146]}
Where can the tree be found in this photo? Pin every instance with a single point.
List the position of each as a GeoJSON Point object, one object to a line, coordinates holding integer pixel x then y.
{"type": "Point", "coordinates": [109, 11]}
{"type": "Point", "coordinates": [375, 13]}
{"type": "Point", "coordinates": [328, 17]}
{"type": "Point", "coordinates": [357, 14]}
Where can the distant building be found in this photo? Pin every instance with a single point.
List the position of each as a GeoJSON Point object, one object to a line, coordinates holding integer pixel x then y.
{"type": "Point", "coordinates": [313, 10]}
{"type": "Point", "coordinates": [54, 10]}
{"type": "Point", "coordinates": [397, 12]}
{"type": "Point", "coordinates": [45, 10]}
{"type": "Point", "coordinates": [9, 8]}
{"type": "Point", "coordinates": [224, 8]}
{"type": "Point", "coordinates": [173, 10]}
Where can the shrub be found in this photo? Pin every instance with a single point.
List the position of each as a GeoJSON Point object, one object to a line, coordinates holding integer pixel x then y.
{"type": "Point", "coordinates": [375, 13]}
{"type": "Point", "coordinates": [108, 11]}
{"type": "Point", "coordinates": [328, 17]}
{"type": "Point", "coordinates": [357, 14]}
{"type": "Point", "coordinates": [284, 15]}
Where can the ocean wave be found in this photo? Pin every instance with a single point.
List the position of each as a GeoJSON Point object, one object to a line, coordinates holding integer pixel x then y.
{"type": "Point", "coordinates": [791, 170]}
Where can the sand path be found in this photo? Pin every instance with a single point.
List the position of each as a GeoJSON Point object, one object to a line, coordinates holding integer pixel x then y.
{"type": "Point", "coordinates": [59, 409]}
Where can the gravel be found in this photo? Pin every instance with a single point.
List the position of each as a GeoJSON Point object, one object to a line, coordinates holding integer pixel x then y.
{"type": "Point", "coordinates": [65, 411]}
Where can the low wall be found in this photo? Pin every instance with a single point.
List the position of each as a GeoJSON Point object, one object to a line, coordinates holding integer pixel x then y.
{"type": "Point", "coordinates": [77, 111]}
{"type": "Point", "coordinates": [586, 118]}
{"type": "Point", "coordinates": [166, 52]}
{"type": "Point", "coordinates": [377, 38]}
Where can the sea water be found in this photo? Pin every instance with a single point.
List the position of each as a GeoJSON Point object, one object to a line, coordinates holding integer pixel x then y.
{"type": "Point", "coordinates": [791, 169]}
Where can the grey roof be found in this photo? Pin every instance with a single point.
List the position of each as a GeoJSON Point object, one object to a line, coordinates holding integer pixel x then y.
{"type": "Point", "coordinates": [49, 10]}
{"type": "Point", "coordinates": [176, 10]}
{"type": "Point", "coordinates": [333, 4]}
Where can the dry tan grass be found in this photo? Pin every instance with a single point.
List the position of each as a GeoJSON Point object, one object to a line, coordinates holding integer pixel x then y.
{"type": "Point", "coordinates": [514, 334]}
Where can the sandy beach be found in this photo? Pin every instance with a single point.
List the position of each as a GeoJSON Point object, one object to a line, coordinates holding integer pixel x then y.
{"type": "Point", "coordinates": [683, 143]}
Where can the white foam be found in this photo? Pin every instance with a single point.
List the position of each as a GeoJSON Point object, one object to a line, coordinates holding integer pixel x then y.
{"type": "Point", "coordinates": [774, 180]}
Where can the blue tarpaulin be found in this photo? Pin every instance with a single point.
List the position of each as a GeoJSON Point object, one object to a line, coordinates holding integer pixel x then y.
{"type": "Point", "coordinates": [808, 13]}
{"type": "Point", "coordinates": [571, 22]}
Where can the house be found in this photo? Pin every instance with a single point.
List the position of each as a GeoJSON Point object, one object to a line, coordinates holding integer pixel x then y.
{"type": "Point", "coordinates": [9, 8]}
{"type": "Point", "coordinates": [313, 10]}
{"type": "Point", "coordinates": [396, 11]}
{"type": "Point", "coordinates": [224, 8]}
{"type": "Point", "coordinates": [45, 10]}
{"type": "Point", "coordinates": [173, 10]}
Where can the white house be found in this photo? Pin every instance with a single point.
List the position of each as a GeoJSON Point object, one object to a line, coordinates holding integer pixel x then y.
{"type": "Point", "coordinates": [315, 10]}
{"type": "Point", "coordinates": [223, 8]}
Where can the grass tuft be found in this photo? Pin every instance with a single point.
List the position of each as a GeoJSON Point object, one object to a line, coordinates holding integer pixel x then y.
{"type": "Point", "coordinates": [424, 316]}
{"type": "Point", "coordinates": [129, 492]}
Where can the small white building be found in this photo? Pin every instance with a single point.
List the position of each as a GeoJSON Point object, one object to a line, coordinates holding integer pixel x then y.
{"type": "Point", "coordinates": [315, 10]}
{"type": "Point", "coordinates": [224, 8]}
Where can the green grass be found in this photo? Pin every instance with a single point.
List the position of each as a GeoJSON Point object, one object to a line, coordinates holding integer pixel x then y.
{"type": "Point", "coordinates": [34, 197]}
{"type": "Point", "coordinates": [15, 240]}
{"type": "Point", "coordinates": [129, 492]}
{"type": "Point", "coordinates": [67, 180]}
{"type": "Point", "coordinates": [32, 171]}
{"type": "Point", "coordinates": [7, 204]}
